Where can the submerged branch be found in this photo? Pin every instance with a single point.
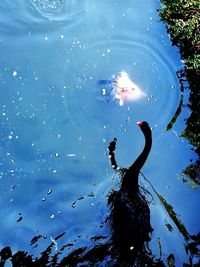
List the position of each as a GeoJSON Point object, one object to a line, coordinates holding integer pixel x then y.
{"type": "Point", "coordinates": [171, 212]}
{"type": "Point", "coordinates": [179, 109]}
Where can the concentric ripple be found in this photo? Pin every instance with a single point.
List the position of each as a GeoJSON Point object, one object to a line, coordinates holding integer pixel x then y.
{"type": "Point", "coordinates": [147, 67]}
{"type": "Point", "coordinates": [57, 121]}
{"type": "Point", "coordinates": [66, 13]}
{"type": "Point", "coordinates": [36, 16]}
{"type": "Point", "coordinates": [49, 6]}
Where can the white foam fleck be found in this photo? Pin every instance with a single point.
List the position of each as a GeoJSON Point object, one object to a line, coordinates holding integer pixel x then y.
{"type": "Point", "coordinates": [71, 155]}
{"type": "Point", "coordinates": [14, 73]}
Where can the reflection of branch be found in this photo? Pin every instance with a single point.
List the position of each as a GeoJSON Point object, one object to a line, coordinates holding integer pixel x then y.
{"type": "Point", "coordinates": [178, 111]}
{"type": "Point", "coordinates": [171, 212]}
{"type": "Point", "coordinates": [176, 114]}
{"type": "Point", "coordinates": [80, 198]}
{"type": "Point", "coordinates": [146, 193]}
{"type": "Point", "coordinates": [192, 241]}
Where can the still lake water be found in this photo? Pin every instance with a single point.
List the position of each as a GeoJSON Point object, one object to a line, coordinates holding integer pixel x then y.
{"type": "Point", "coordinates": [56, 124]}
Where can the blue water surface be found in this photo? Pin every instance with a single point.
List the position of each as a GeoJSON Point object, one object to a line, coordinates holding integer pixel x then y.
{"type": "Point", "coordinates": [56, 124]}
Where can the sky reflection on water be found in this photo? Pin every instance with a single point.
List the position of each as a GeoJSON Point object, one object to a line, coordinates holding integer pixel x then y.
{"type": "Point", "coordinates": [56, 125]}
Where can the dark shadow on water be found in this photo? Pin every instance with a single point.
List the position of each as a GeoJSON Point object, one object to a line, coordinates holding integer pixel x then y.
{"type": "Point", "coordinates": [130, 214]}
{"type": "Point", "coordinates": [129, 222]}
{"type": "Point", "coordinates": [130, 229]}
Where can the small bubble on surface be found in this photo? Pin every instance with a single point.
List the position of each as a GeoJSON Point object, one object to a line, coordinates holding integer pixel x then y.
{"type": "Point", "coordinates": [49, 191]}
{"type": "Point", "coordinates": [14, 73]}
{"type": "Point", "coordinates": [61, 37]}
{"type": "Point", "coordinates": [103, 91]}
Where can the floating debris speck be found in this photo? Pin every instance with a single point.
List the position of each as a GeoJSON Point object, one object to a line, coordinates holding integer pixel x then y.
{"type": "Point", "coordinates": [61, 37]}
{"type": "Point", "coordinates": [20, 218]}
{"type": "Point", "coordinates": [49, 191]}
{"type": "Point", "coordinates": [103, 91]}
{"type": "Point", "coordinates": [91, 194]}
{"type": "Point", "coordinates": [71, 155]}
{"type": "Point", "coordinates": [14, 73]}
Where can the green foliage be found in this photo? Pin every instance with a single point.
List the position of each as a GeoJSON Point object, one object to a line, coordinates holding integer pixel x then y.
{"type": "Point", "coordinates": [193, 61]}
{"type": "Point", "coordinates": [191, 172]}
{"type": "Point", "coordinates": [183, 24]}
{"type": "Point", "coordinates": [183, 20]}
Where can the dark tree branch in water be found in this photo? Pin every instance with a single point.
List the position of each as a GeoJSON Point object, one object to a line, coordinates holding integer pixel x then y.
{"type": "Point", "coordinates": [192, 242]}
{"type": "Point", "coordinates": [179, 108]}
{"type": "Point", "coordinates": [171, 212]}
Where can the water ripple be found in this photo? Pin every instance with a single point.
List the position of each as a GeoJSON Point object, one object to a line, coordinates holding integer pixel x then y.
{"type": "Point", "coordinates": [49, 6]}
{"type": "Point", "coordinates": [38, 16]}
{"type": "Point", "coordinates": [148, 68]}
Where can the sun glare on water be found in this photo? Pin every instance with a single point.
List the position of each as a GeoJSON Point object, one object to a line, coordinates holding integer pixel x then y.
{"type": "Point", "coordinates": [124, 89]}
